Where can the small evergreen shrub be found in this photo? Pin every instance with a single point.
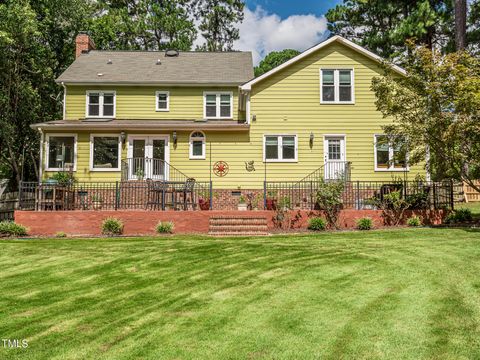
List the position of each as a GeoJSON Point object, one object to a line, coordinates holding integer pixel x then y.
{"type": "Point", "coordinates": [112, 227]}
{"type": "Point", "coordinates": [414, 221]}
{"type": "Point", "coordinates": [9, 228]}
{"type": "Point", "coordinates": [317, 224]}
{"type": "Point", "coordinates": [459, 216]}
{"type": "Point", "coordinates": [60, 234]}
{"type": "Point", "coordinates": [164, 227]}
{"type": "Point", "coordinates": [364, 223]}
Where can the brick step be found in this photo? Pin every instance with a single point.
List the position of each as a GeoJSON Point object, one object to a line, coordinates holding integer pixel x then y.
{"type": "Point", "coordinates": [238, 225]}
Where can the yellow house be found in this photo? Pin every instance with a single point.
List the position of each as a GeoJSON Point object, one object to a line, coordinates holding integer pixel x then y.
{"type": "Point", "coordinates": [147, 115]}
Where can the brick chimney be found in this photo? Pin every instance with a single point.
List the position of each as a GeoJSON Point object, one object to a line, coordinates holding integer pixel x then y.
{"type": "Point", "coordinates": [83, 44]}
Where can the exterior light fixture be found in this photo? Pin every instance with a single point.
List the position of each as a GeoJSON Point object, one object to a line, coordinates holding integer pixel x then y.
{"type": "Point", "coordinates": [123, 137]}
{"type": "Point", "coordinates": [175, 138]}
{"type": "Point", "coordinates": [312, 137]}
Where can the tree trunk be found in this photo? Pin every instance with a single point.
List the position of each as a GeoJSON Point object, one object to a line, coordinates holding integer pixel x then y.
{"type": "Point", "coordinates": [460, 24]}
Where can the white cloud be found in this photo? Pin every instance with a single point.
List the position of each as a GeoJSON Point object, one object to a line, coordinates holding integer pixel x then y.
{"type": "Point", "coordinates": [262, 32]}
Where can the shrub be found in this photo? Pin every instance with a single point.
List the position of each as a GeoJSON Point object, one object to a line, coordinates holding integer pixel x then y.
{"type": "Point", "coordinates": [60, 234]}
{"type": "Point", "coordinates": [459, 216]}
{"type": "Point", "coordinates": [9, 228]}
{"type": "Point", "coordinates": [164, 227]}
{"type": "Point", "coordinates": [64, 178]}
{"type": "Point", "coordinates": [317, 224]}
{"type": "Point", "coordinates": [112, 226]}
{"type": "Point", "coordinates": [364, 223]}
{"type": "Point", "coordinates": [329, 199]}
{"type": "Point", "coordinates": [414, 221]}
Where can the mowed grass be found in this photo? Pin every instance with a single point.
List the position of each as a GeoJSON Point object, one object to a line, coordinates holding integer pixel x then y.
{"type": "Point", "coordinates": [400, 294]}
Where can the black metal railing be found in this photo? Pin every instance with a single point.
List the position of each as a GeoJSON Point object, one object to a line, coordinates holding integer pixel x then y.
{"type": "Point", "coordinates": [331, 170]}
{"type": "Point", "coordinates": [359, 194]}
{"type": "Point", "coordinates": [121, 195]}
{"type": "Point", "coordinates": [150, 169]}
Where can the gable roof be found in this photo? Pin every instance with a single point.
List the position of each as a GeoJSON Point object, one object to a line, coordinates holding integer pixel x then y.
{"type": "Point", "coordinates": [247, 86]}
{"type": "Point", "coordinates": [140, 67]}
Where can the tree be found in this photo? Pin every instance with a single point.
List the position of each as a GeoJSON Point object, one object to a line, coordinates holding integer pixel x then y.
{"type": "Point", "coordinates": [383, 26]}
{"type": "Point", "coordinates": [460, 24]}
{"type": "Point", "coordinates": [274, 59]}
{"type": "Point", "coordinates": [436, 107]}
{"type": "Point", "coordinates": [217, 22]}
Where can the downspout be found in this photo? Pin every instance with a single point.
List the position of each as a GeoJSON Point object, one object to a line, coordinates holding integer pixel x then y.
{"type": "Point", "coordinates": [64, 99]}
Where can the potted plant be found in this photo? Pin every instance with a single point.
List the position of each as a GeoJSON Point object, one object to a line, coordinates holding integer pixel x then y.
{"type": "Point", "coordinates": [204, 200]}
{"type": "Point", "coordinates": [242, 204]}
{"type": "Point", "coordinates": [97, 202]}
{"type": "Point", "coordinates": [139, 174]}
{"type": "Point", "coordinates": [271, 200]}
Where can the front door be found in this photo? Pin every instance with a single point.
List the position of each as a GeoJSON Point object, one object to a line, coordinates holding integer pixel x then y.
{"type": "Point", "coordinates": [335, 159]}
{"type": "Point", "coordinates": [148, 157]}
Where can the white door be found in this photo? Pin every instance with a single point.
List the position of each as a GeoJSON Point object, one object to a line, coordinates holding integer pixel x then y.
{"type": "Point", "coordinates": [334, 155]}
{"type": "Point", "coordinates": [148, 157]}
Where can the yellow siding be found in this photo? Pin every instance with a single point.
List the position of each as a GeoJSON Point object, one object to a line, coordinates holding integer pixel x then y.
{"type": "Point", "coordinates": [138, 102]}
{"type": "Point", "coordinates": [285, 103]}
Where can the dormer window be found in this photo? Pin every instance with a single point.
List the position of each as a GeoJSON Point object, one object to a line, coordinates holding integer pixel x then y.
{"type": "Point", "coordinates": [100, 104]}
{"type": "Point", "coordinates": [218, 105]}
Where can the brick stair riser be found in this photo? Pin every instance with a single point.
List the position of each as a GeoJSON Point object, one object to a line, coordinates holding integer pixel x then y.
{"type": "Point", "coordinates": [238, 223]}
{"type": "Point", "coordinates": [215, 220]}
{"type": "Point", "coordinates": [239, 229]}
{"type": "Point", "coordinates": [238, 234]}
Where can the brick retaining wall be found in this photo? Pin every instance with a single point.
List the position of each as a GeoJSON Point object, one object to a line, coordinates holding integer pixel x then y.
{"type": "Point", "coordinates": [47, 223]}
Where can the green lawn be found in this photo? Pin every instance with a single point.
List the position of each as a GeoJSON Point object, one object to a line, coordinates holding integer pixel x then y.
{"type": "Point", "coordinates": [403, 294]}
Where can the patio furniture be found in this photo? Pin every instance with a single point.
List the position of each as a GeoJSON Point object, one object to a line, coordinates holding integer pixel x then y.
{"type": "Point", "coordinates": [186, 194]}
{"type": "Point", "coordinates": [161, 194]}
{"type": "Point", "coordinates": [51, 197]}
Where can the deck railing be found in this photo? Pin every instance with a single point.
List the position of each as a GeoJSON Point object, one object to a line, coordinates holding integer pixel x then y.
{"type": "Point", "coordinates": [150, 169]}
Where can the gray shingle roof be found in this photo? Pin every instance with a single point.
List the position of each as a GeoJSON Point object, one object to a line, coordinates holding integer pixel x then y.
{"type": "Point", "coordinates": [140, 67]}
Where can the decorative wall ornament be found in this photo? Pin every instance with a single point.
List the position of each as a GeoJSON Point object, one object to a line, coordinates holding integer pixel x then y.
{"type": "Point", "coordinates": [220, 168]}
{"type": "Point", "coordinates": [250, 166]}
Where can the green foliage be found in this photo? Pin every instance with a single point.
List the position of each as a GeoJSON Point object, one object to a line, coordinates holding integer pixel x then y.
{"type": "Point", "coordinates": [274, 59]}
{"type": "Point", "coordinates": [364, 223]}
{"type": "Point", "coordinates": [217, 22]}
{"type": "Point", "coordinates": [112, 226]}
{"type": "Point", "coordinates": [285, 202]}
{"type": "Point", "coordinates": [317, 224]}
{"type": "Point", "coordinates": [64, 178]}
{"type": "Point", "coordinates": [393, 206]}
{"type": "Point", "coordinates": [9, 228]}
{"type": "Point", "coordinates": [165, 227]}
{"type": "Point", "coordinates": [414, 221]}
{"type": "Point", "coordinates": [60, 234]}
{"type": "Point", "coordinates": [329, 199]}
{"type": "Point", "coordinates": [436, 107]}
{"type": "Point", "coordinates": [459, 216]}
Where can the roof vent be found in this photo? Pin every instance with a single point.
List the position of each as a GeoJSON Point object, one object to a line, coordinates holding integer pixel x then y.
{"type": "Point", "coordinates": [109, 62]}
{"type": "Point", "coordinates": [158, 62]}
{"type": "Point", "coordinates": [99, 74]}
{"type": "Point", "coordinates": [171, 53]}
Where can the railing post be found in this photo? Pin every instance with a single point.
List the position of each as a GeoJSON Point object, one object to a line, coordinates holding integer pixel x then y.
{"type": "Point", "coordinates": [264, 195]}
{"type": "Point", "coordinates": [358, 195]}
{"type": "Point", "coordinates": [116, 195]}
{"type": "Point", "coordinates": [452, 199]}
{"type": "Point", "coordinates": [312, 206]}
{"type": "Point", "coordinates": [211, 195]}
{"type": "Point", "coordinates": [20, 195]}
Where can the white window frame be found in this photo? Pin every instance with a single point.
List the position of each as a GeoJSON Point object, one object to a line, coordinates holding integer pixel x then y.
{"type": "Point", "coordinates": [47, 152]}
{"type": "Point", "coordinates": [280, 149]}
{"type": "Point", "coordinates": [204, 145]}
{"type": "Point", "coordinates": [391, 166]}
{"type": "Point", "coordinates": [100, 102]}
{"type": "Point", "coordinates": [92, 136]}
{"type": "Point", "coordinates": [168, 101]}
{"type": "Point", "coordinates": [218, 97]}
{"type": "Point", "coordinates": [336, 84]}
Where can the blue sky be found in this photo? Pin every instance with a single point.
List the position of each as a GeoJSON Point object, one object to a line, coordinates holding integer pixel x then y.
{"type": "Point", "coordinates": [285, 8]}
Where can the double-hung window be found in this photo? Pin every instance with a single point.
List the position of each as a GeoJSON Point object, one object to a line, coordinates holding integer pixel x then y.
{"type": "Point", "coordinates": [105, 152]}
{"type": "Point", "coordinates": [280, 148]}
{"type": "Point", "coordinates": [101, 104]}
{"type": "Point", "coordinates": [218, 105]}
{"type": "Point", "coordinates": [61, 152]}
{"type": "Point", "coordinates": [336, 86]}
{"type": "Point", "coordinates": [162, 101]}
{"type": "Point", "coordinates": [390, 153]}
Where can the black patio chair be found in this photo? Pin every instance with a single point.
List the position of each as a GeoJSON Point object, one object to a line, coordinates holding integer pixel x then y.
{"type": "Point", "coordinates": [187, 194]}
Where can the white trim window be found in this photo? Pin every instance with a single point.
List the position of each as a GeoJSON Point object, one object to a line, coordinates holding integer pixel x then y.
{"type": "Point", "coordinates": [61, 152]}
{"type": "Point", "coordinates": [197, 145]}
{"type": "Point", "coordinates": [101, 104]}
{"type": "Point", "coordinates": [218, 105]}
{"type": "Point", "coordinates": [162, 101]}
{"type": "Point", "coordinates": [336, 86]}
{"type": "Point", "coordinates": [280, 148]}
{"type": "Point", "coordinates": [390, 154]}
{"type": "Point", "coordinates": [105, 152]}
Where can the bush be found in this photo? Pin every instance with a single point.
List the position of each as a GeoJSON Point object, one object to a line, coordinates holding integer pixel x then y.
{"type": "Point", "coordinates": [164, 227]}
{"type": "Point", "coordinates": [317, 224]}
{"type": "Point", "coordinates": [364, 223]}
{"type": "Point", "coordinates": [112, 226]}
{"type": "Point", "coordinates": [414, 221]}
{"type": "Point", "coordinates": [459, 216]}
{"type": "Point", "coordinates": [60, 234]}
{"type": "Point", "coordinates": [9, 228]}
